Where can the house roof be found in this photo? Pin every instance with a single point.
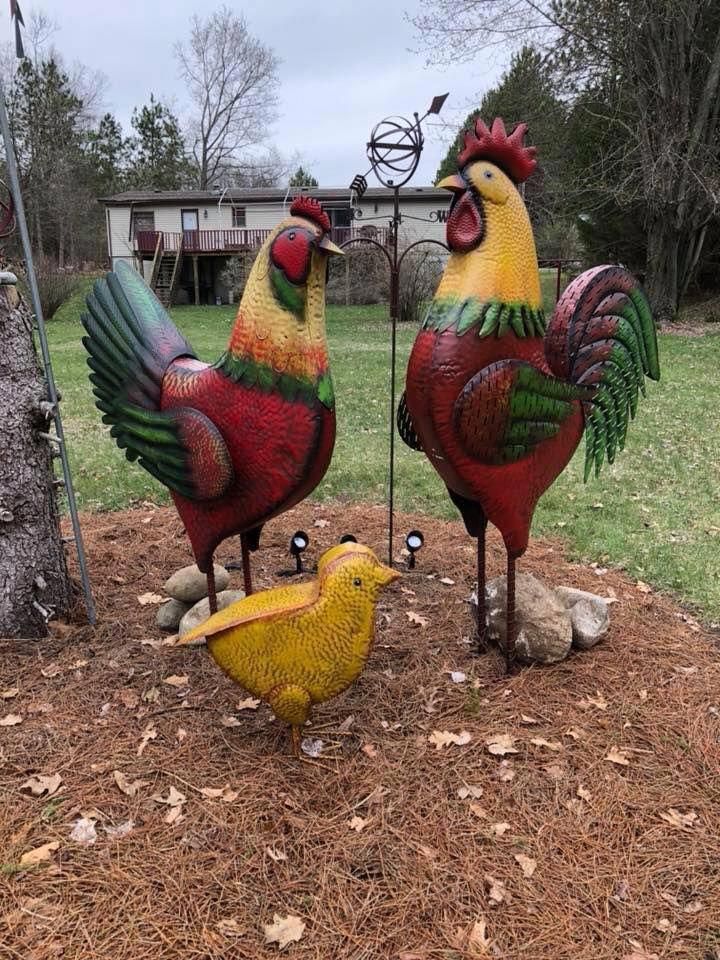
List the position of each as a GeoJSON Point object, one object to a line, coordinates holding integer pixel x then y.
{"type": "Point", "coordinates": [262, 195]}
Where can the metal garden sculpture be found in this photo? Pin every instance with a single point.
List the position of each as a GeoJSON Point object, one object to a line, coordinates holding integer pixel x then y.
{"type": "Point", "coordinates": [241, 440]}
{"type": "Point", "coordinates": [303, 644]}
{"type": "Point", "coordinates": [498, 399]}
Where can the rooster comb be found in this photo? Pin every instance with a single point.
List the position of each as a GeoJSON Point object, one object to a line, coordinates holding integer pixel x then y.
{"type": "Point", "coordinates": [310, 208]}
{"type": "Point", "coordinates": [508, 152]}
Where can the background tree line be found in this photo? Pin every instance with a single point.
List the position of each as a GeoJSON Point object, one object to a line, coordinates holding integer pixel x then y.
{"type": "Point", "coordinates": [70, 152]}
{"type": "Point", "coordinates": [623, 100]}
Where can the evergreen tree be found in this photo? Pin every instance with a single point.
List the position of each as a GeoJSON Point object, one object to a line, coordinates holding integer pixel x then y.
{"type": "Point", "coordinates": [159, 160]}
{"type": "Point", "coordinates": [109, 153]}
{"type": "Point", "coordinates": [301, 178]}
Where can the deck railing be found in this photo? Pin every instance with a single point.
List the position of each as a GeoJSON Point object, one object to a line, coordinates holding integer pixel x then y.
{"type": "Point", "coordinates": [230, 241]}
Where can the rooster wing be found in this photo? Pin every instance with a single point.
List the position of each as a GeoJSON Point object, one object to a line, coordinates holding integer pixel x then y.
{"type": "Point", "coordinates": [131, 341]}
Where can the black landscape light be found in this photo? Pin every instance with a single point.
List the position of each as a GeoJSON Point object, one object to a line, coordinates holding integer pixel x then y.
{"type": "Point", "coordinates": [413, 541]}
{"type": "Point", "coordinates": [348, 538]}
{"type": "Point", "coordinates": [298, 544]}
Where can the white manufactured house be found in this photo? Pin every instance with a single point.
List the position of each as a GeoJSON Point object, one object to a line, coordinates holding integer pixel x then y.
{"type": "Point", "coordinates": [181, 240]}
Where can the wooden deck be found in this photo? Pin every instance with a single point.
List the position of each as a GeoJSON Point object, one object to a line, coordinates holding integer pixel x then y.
{"type": "Point", "coordinates": [227, 242]}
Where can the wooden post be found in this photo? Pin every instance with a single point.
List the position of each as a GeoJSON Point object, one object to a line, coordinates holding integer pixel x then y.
{"type": "Point", "coordinates": [347, 280]}
{"type": "Point", "coordinates": [196, 281]}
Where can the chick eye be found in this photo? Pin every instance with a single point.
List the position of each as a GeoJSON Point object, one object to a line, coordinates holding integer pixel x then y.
{"type": "Point", "coordinates": [357, 582]}
{"type": "Point", "coordinates": [488, 174]}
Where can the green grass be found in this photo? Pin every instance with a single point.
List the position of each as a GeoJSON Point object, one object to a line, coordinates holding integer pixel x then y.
{"type": "Point", "coordinates": [655, 512]}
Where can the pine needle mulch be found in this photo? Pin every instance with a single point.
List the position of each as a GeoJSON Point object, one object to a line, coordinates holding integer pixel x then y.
{"type": "Point", "coordinates": [592, 832]}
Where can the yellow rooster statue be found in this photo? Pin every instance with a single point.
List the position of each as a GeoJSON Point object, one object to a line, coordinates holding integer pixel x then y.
{"type": "Point", "coordinates": [298, 645]}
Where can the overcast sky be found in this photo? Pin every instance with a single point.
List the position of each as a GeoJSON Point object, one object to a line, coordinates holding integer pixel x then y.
{"type": "Point", "coordinates": [345, 65]}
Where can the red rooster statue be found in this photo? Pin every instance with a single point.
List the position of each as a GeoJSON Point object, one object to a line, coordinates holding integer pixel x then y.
{"type": "Point", "coordinates": [497, 399]}
{"type": "Point", "coordinates": [240, 440]}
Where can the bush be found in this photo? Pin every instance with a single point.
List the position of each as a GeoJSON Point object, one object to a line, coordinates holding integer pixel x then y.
{"type": "Point", "coordinates": [419, 277]}
{"type": "Point", "coordinates": [55, 286]}
{"type": "Point", "coordinates": [236, 272]}
{"type": "Point", "coordinates": [361, 276]}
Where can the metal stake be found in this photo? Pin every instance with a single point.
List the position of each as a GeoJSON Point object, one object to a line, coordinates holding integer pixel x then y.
{"type": "Point", "coordinates": [15, 192]}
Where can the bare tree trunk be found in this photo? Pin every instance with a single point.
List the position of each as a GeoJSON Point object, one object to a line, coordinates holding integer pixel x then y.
{"type": "Point", "coordinates": [34, 581]}
{"type": "Point", "coordinates": [662, 283]}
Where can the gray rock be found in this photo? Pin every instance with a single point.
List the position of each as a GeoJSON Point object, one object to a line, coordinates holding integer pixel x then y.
{"type": "Point", "coordinates": [201, 611]}
{"type": "Point", "coordinates": [188, 585]}
{"type": "Point", "coordinates": [589, 613]}
{"type": "Point", "coordinates": [170, 614]}
{"type": "Point", "coordinates": [544, 629]}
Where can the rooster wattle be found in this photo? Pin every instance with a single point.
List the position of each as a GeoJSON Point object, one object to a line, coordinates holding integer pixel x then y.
{"type": "Point", "coordinates": [496, 398]}
{"type": "Point", "coordinates": [239, 441]}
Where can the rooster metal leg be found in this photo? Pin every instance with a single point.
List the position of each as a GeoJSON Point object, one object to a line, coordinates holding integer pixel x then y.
{"type": "Point", "coordinates": [247, 577]}
{"type": "Point", "coordinates": [481, 602]}
{"type": "Point", "coordinates": [212, 592]}
{"type": "Point", "coordinates": [511, 627]}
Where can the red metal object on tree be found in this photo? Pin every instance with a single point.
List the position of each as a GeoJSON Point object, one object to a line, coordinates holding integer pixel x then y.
{"type": "Point", "coordinates": [239, 441]}
{"type": "Point", "coordinates": [496, 398]}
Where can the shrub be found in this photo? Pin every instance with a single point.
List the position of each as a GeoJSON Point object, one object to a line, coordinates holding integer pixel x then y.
{"type": "Point", "coordinates": [419, 277]}
{"type": "Point", "coordinates": [55, 286]}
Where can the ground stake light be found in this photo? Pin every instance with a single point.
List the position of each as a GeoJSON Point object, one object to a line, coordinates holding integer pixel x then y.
{"type": "Point", "coordinates": [298, 545]}
{"type": "Point", "coordinates": [414, 541]}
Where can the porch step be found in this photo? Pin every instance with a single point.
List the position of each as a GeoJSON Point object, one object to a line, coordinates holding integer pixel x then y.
{"type": "Point", "coordinates": [166, 277]}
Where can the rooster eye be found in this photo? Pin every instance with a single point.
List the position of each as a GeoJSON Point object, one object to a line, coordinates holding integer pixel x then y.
{"type": "Point", "coordinates": [291, 235]}
{"type": "Point", "coordinates": [357, 582]}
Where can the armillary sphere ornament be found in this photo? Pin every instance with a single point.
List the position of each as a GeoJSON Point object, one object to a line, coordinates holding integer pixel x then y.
{"type": "Point", "coordinates": [394, 150]}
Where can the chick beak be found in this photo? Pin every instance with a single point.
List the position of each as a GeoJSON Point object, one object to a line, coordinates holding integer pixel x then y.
{"type": "Point", "coordinates": [387, 575]}
{"type": "Point", "coordinates": [453, 183]}
{"type": "Point", "coordinates": [328, 246]}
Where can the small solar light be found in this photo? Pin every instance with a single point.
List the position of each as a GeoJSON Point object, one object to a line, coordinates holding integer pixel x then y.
{"type": "Point", "coordinates": [413, 541]}
{"type": "Point", "coordinates": [298, 544]}
{"type": "Point", "coordinates": [348, 538]}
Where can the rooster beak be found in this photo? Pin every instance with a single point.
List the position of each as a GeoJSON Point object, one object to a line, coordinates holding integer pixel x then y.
{"type": "Point", "coordinates": [453, 183]}
{"type": "Point", "coordinates": [328, 246]}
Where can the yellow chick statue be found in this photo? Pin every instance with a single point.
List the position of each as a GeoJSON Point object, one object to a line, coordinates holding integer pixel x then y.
{"type": "Point", "coordinates": [302, 644]}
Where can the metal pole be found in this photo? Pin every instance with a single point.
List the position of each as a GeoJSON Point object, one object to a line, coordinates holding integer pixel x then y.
{"type": "Point", "coordinates": [14, 183]}
{"type": "Point", "coordinates": [394, 310]}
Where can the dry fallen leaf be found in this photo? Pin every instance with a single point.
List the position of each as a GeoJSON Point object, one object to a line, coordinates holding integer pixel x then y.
{"type": "Point", "coordinates": [275, 854]}
{"type": "Point", "coordinates": [176, 681]}
{"type": "Point", "coordinates": [229, 927]}
{"type": "Point", "coordinates": [597, 701]}
{"type": "Point", "coordinates": [641, 955]}
{"type": "Point", "coordinates": [284, 930]}
{"type": "Point", "coordinates": [497, 893]}
{"type": "Point", "coordinates": [249, 704]}
{"type": "Point", "coordinates": [40, 786]}
{"type": "Point", "coordinates": [469, 791]}
{"type": "Point", "coordinates": [665, 926]}
{"type": "Point", "coordinates": [120, 830]}
{"type": "Point", "coordinates": [369, 750]}
{"type": "Point", "coordinates": [312, 747]}
{"type": "Point", "coordinates": [357, 824]}
{"type": "Point", "coordinates": [447, 581]}
{"type": "Point", "coordinates": [500, 744]}
{"type": "Point", "coordinates": [618, 756]}
{"type": "Point", "coordinates": [694, 906]}
{"type": "Point", "coordinates": [524, 718]}
{"type": "Point", "coordinates": [577, 733]}
{"type": "Point", "coordinates": [181, 734]}
{"type": "Point", "coordinates": [430, 699]}
{"type": "Point", "coordinates": [643, 587]}
{"type": "Point", "coordinates": [549, 744]}
{"type": "Point", "coordinates": [230, 722]}
{"type": "Point", "coordinates": [9, 694]}
{"type": "Point", "coordinates": [478, 811]}
{"type": "Point", "coordinates": [220, 793]}
{"type": "Point", "coordinates": [321, 523]}
{"type": "Point", "coordinates": [683, 821]}
{"type": "Point", "coordinates": [149, 733]}
{"type": "Point", "coordinates": [583, 793]}
{"type": "Point", "coordinates": [416, 618]}
{"type": "Point", "coordinates": [174, 815]}
{"type": "Point", "coordinates": [146, 598]}
{"type": "Point", "coordinates": [499, 829]}
{"type": "Point", "coordinates": [39, 854]}
{"type": "Point", "coordinates": [527, 864]}
{"type": "Point", "coordinates": [443, 738]}
{"type": "Point", "coordinates": [128, 788]}
{"type": "Point", "coordinates": [11, 720]}
{"type": "Point", "coordinates": [478, 940]}
{"type": "Point", "coordinates": [84, 831]}
{"type": "Point", "coordinates": [506, 771]}
{"type": "Point", "coordinates": [457, 676]}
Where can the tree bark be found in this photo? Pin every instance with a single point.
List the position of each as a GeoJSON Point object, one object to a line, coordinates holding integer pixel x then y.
{"type": "Point", "coordinates": [662, 284]}
{"type": "Point", "coordinates": [34, 581]}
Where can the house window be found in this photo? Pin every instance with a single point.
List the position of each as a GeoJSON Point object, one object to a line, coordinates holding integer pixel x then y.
{"type": "Point", "coordinates": [238, 217]}
{"type": "Point", "coordinates": [143, 221]}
